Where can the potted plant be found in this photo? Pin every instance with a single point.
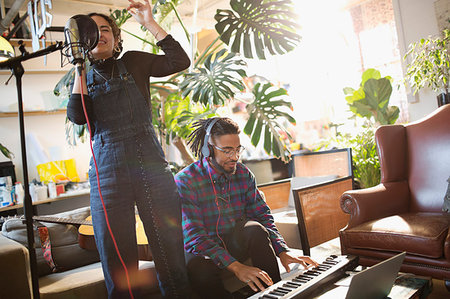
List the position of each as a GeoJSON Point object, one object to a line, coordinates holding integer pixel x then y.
{"type": "Point", "coordinates": [430, 65]}
{"type": "Point", "coordinates": [370, 102]}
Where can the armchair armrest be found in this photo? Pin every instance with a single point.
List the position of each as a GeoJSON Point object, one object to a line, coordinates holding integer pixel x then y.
{"type": "Point", "coordinates": [15, 272]}
{"type": "Point", "coordinates": [375, 202]}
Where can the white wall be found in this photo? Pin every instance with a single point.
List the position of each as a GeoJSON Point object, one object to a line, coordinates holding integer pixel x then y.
{"type": "Point", "coordinates": [416, 19]}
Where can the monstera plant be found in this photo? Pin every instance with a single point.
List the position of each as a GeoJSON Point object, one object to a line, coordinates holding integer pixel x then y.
{"type": "Point", "coordinates": [270, 24]}
{"type": "Point", "coordinates": [251, 26]}
{"type": "Point", "coordinates": [265, 114]}
{"type": "Point", "coordinates": [216, 80]}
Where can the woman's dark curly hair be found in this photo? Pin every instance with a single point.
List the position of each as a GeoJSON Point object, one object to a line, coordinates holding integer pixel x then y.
{"type": "Point", "coordinates": [115, 30]}
{"type": "Point", "coordinates": [223, 126]}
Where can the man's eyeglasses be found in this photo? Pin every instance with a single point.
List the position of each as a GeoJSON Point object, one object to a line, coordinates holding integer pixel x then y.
{"type": "Point", "coordinates": [231, 152]}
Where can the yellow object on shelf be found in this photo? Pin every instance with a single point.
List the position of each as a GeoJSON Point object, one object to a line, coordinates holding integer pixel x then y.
{"type": "Point", "coordinates": [57, 171]}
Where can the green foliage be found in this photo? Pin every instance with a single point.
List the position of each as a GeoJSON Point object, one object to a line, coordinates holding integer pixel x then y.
{"type": "Point", "coordinates": [75, 133]}
{"type": "Point", "coordinates": [265, 115]}
{"type": "Point", "coordinates": [6, 152]}
{"type": "Point", "coordinates": [269, 23]}
{"type": "Point", "coordinates": [372, 98]}
{"type": "Point", "coordinates": [430, 63]}
{"type": "Point", "coordinates": [216, 81]}
{"type": "Point", "coordinates": [371, 102]}
{"type": "Point", "coordinates": [63, 87]}
{"type": "Point", "coordinates": [120, 16]}
{"type": "Point", "coordinates": [366, 165]}
{"type": "Point", "coordinates": [257, 25]}
{"type": "Point", "coordinates": [365, 158]}
{"type": "Point", "coordinates": [179, 113]}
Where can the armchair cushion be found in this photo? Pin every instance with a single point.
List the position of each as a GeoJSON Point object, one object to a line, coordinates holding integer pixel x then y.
{"type": "Point", "coordinates": [420, 234]}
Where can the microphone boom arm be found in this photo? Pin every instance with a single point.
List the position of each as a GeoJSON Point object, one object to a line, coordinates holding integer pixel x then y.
{"type": "Point", "coordinates": [17, 59]}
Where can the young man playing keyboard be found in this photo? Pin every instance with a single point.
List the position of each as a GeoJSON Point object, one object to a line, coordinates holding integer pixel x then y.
{"type": "Point", "coordinates": [225, 219]}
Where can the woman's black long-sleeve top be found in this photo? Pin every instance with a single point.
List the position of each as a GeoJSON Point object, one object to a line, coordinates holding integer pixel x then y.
{"type": "Point", "coordinates": [141, 66]}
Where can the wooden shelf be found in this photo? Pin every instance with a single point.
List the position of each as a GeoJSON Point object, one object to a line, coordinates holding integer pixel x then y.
{"type": "Point", "coordinates": [38, 72]}
{"type": "Point", "coordinates": [50, 200]}
{"type": "Point", "coordinates": [33, 113]}
{"type": "Point", "coordinates": [28, 42]}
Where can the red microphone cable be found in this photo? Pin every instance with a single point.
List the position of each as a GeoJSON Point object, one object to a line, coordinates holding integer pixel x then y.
{"type": "Point", "coordinates": [80, 73]}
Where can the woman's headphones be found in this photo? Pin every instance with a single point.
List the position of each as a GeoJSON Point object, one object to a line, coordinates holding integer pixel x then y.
{"type": "Point", "coordinates": [206, 152]}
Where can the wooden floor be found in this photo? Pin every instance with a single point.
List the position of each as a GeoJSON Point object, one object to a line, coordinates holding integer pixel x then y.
{"type": "Point", "coordinates": [324, 250]}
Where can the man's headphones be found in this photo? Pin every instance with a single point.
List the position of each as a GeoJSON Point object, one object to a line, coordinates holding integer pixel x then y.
{"type": "Point", "coordinates": [206, 152]}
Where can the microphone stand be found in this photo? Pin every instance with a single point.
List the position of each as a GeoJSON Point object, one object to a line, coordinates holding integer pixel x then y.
{"type": "Point", "coordinates": [15, 64]}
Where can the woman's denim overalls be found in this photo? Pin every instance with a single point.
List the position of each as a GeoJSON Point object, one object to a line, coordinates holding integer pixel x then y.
{"type": "Point", "coordinates": [132, 169]}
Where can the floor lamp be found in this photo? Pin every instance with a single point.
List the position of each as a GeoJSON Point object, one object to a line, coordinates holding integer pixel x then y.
{"type": "Point", "coordinates": [15, 65]}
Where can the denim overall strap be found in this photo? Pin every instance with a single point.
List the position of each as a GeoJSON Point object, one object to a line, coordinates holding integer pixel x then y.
{"type": "Point", "coordinates": [120, 109]}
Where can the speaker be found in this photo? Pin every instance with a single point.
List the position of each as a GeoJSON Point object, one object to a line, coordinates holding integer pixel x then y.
{"type": "Point", "coordinates": [205, 148]}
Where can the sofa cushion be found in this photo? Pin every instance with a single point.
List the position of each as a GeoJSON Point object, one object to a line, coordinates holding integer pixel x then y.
{"type": "Point", "coordinates": [421, 234]}
{"type": "Point", "coordinates": [88, 282]}
{"type": "Point", "coordinates": [66, 252]}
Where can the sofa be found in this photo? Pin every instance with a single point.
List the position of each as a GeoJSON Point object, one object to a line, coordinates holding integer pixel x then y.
{"type": "Point", "coordinates": [405, 212]}
{"type": "Point", "coordinates": [78, 272]}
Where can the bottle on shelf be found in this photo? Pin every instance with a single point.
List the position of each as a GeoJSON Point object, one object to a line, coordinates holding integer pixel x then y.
{"type": "Point", "coordinates": [19, 193]}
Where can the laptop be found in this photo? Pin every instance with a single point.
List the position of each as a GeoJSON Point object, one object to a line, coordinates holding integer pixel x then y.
{"type": "Point", "coordinates": [377, 281]}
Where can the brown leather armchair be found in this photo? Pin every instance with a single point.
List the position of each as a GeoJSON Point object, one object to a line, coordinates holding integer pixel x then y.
{"type": "Point", "coordinates": [404, 212]}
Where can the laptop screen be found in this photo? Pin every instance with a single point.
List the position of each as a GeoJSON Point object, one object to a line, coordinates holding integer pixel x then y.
{"type": "Point", "coordinates": [377, 281]}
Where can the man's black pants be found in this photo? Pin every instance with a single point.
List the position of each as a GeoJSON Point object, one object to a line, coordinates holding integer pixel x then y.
{"type": "Point", "coordinates": [249, 239]}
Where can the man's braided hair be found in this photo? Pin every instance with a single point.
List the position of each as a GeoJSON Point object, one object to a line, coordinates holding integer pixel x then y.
{"type": "Point", "coordinates": [223, 126]}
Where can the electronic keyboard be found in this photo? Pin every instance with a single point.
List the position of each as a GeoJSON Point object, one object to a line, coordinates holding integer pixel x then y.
{"type": "Point", "coordinates": [304, 282]}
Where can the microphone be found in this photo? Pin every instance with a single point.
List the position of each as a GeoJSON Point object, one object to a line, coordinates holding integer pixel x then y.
{"type": "Point", "coordinates": [81, 36]}
{"type": "Point", "coordinates": [72, 41]}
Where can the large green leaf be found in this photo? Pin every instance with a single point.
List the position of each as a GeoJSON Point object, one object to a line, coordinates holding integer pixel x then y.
{"type": "Point", "coordinates": [215, 82]}
{"type": "Point", "coordinates": [120, 16]}
{"type": "Point", "coordinates": [266, 115]}
{"type": "Point", "coordinates": [62, 88]}
{"type": "Point", "coordinates": [75, 132]}
{"type": "Point", "coordinates": [6, 152]}
{"type": "Point", "coordinates": [372, 98]}
{"type": "Point", "coordinates": [370, 74]}
{"type": "Point", "coordinates": [180, 113]}
{"type": "Point", "coordinates": [378, 92]}
{"type": "Point", "coordinates": [269, 23]}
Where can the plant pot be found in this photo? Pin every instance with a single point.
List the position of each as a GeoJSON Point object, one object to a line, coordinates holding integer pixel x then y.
{"type": "Point", "coordinates": [443, 98]}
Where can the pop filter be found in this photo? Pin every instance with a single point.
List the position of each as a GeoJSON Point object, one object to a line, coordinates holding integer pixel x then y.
{"type": "Point", "coordinates": [81, 36]}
